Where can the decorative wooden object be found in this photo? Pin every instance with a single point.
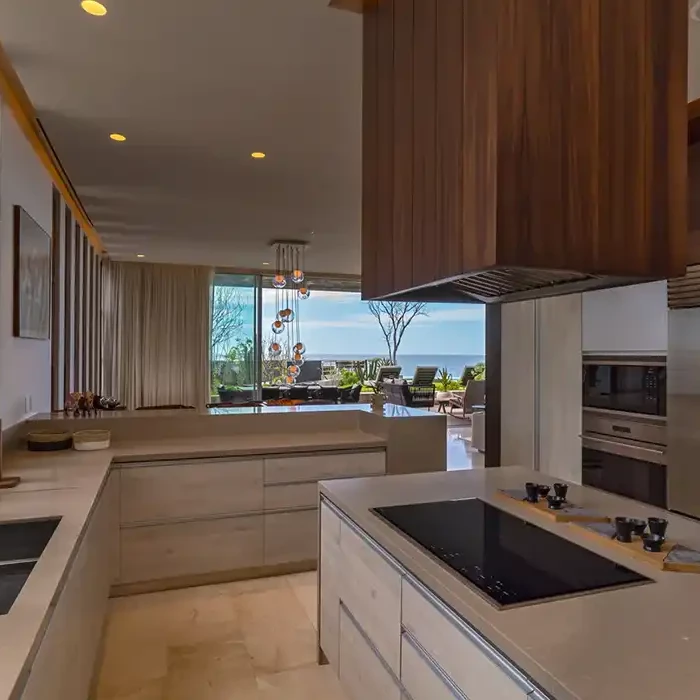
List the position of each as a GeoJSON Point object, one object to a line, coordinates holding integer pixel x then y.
{"type": "Point", "coordinates": [570, 513]}
{"type": "Point", "coordinates": [672, 557]}
{"type": "Point", "coordinates": [502, 136]}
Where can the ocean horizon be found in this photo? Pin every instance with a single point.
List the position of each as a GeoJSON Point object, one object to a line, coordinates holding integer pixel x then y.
{"type": "Point", "coordinates": [454, 363]}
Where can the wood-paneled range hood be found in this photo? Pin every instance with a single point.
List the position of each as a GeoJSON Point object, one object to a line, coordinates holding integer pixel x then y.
{"type": "Point", "coordinates": [522, 148]}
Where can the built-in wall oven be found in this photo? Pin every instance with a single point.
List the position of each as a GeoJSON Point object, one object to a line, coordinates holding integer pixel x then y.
{"type": "Point", "coordinates": [627, 384]}
{"type": "Point", "coordinates": [624, 427]}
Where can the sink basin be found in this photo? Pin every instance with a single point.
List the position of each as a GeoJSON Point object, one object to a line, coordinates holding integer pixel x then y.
{"type": "Point", "coordinates": [25, 539]}
{"type": "Point", "coordinates": [21, 545]}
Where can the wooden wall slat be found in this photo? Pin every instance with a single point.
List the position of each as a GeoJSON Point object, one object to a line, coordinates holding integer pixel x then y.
{"type": "Point", "coordinates": [56, 315]}
{"type": "Point", "coordinates": [68, 302]}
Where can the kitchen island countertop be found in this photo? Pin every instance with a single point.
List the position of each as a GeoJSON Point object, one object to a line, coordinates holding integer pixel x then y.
{"type": "Point", "coordinates": [635, 643]}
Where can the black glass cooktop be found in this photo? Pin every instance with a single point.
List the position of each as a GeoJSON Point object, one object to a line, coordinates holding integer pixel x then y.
{"type": "Point", "coordinates": [508, 559]}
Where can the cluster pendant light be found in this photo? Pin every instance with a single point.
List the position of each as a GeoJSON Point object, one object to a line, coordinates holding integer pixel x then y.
{"type": "Point", "coordinates": [289, 283]}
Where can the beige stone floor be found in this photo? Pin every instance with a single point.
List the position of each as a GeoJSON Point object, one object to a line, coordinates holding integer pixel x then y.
{"type": "Point", "coordinates": [252, 640]}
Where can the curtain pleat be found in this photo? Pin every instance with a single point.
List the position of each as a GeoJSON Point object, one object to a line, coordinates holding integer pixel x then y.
{"type": "Point", "coordinates": [156, 334]}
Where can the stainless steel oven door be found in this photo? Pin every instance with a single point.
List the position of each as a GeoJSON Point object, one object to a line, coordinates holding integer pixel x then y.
{"type": "Point", "coordinates": [625, 467]}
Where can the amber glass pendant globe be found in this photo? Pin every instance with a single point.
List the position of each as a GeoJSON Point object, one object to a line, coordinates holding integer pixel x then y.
{"type": "Point", "coordinates": [279, 281]}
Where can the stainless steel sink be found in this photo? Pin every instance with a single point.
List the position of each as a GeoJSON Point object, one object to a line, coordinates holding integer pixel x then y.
{"type": "Point", "coordinates": [21, 544]}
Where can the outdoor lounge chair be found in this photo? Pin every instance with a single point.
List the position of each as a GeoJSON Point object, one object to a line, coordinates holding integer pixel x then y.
{"type": "Point", "coordinates": [473, 395]}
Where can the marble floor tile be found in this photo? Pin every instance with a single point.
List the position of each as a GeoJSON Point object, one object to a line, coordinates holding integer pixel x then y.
{"type": "Point", "coordinates": [305, 589]}
{"type": "Point", "coordinates": [250, 640]}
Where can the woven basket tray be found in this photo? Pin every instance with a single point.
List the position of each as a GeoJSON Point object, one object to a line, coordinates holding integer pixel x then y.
{"type": "Point", "coordinates": [91, 439]}
{"type": "Point", "coordinates": [49, 440]}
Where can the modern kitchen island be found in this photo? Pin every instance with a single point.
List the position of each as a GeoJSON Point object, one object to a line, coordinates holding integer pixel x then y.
{"type": "Point", "coordinates": [396, 622]}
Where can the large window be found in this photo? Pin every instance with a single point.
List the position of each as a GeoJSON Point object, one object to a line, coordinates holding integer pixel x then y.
{"type": "Point", "coordinates": [339, 330]}
{"type": "Point", "coordinates": [234, 336]}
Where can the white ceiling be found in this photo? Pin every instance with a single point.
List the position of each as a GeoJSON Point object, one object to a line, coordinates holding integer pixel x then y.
{"type": "Point", "coordinates": [196, 87]}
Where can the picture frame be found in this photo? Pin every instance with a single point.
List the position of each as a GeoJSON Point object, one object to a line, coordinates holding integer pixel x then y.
{"type": "Point", "coordinates": [32, 278]}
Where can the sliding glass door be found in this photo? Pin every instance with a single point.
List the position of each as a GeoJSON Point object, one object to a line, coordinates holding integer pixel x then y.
{"type": "Point", "coordinates": [235, 338]}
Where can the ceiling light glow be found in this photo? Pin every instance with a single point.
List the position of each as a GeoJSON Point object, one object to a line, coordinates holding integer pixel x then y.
{"type": "Point", "coordinates": [94, 8]}
{"type": "Point", "coordinates": [257, 154]}
{"type": "Point", "coordinates": [140, 255]}
{"type": "Point", "coordinates": [117, 137]}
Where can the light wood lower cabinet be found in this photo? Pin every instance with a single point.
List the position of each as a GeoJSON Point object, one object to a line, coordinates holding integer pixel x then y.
{"type": "Point", "coordinates": [371, 589]}
{"type": "Point", "coordinates": [286, 496]}
{"type": "Point", "coordinates": [172, 550]}
{"type": "Point", "coordinates": [64, 664]}
{"type": "Point", "coordinates": [362, 673]}
{"type": "Point", "coordinates": [330, 573]}
{"type": "Point", "coordinates": [190, 489]}
{"type": "Point", "coordinates": [324, 466]}
{"type": "Point", "coordinates": [464, 659]}
{"type": "Point", "coordinates": [420, 679]}
{"type": "Point", "coordinates": [291, 537]}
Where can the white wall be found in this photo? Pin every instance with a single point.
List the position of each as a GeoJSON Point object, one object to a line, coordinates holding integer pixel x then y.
{"type": "Point", "coordinates": [25, 365]}
{"type": "Point", "coordinates": [626, 319]}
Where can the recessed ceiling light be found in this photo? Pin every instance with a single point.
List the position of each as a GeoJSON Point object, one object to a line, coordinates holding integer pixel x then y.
{"type": "Point", "coordinates": [257, 154]}
{"type": "Point", "coordinates": [266, 263]}
{"type": "Point", "coordinates": [92, 7]}
{"type": "Point", "coordinates": [140, 255]}
{"type": "Point", "coordinates": [117, 137]}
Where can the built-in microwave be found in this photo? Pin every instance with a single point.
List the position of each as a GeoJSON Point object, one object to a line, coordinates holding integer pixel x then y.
{"type": "Point", "coordinates": [628, 384]}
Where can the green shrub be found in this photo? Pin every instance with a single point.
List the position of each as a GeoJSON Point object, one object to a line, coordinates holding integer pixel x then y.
{"type": "Point", "coordinates": [348, 378]}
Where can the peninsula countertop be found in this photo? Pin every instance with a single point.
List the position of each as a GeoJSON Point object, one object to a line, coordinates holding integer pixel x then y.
{"type": "Point", "coordinates": [636, 643]}
{"type": "Point", "coordinates": [67, 484]}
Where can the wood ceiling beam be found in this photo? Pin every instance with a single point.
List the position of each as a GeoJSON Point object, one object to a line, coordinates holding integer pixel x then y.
{"type": "Point", "coordinates": [14, 94]}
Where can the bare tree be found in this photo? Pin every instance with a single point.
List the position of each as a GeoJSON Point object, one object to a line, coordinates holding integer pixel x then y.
{"type": "Point", "coordinates": [394, 317]}
{"type": "Point", "coordinates": [227, 309]}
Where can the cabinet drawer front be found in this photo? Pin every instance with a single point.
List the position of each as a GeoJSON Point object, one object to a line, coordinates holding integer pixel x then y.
{"type": "Point", "coordinates": [320, 466]}
{"type": "Point", "coordinates": [467, 665]}
{"type": "Point", "coordinates": [291, 496]}
{"type": "Point", "coordinates": [371, 589]}
{"type": "Point", "coordinates": [291, 537]}
{"type": "Point", "coordinates": [362, 674]}
{"type": "Point", "coordinates": [190, 489]}
{"type": "Point", "coordinates": [420, 679]}
{"type": "Point", "coordinates": [155, 552]}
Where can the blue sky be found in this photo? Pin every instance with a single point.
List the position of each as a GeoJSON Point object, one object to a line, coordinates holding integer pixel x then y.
{"type": "Point", "coordinates": [334, 323]}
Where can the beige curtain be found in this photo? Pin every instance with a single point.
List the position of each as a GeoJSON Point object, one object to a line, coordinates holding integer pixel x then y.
{"type": "Point", "coordinates": [156, 334]}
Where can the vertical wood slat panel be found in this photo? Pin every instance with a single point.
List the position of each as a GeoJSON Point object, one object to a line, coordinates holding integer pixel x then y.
{"type": "Point", "coordinates": [78, 310]}
{"type": "Point", "coordinates": [56, 316]}
{"type": "Point", "coordinates": [479, 134]}
{"type": "Point", "coordinates": [68, 303]}
{"type": "Point", "coordinates": [449, 118]}
{"type": "Point", "coordinates": [85, 313]}
{"type": "Point", "coordinates": [385, 146]}
{"type": "Point", "coordinates": [93, 323]}
{"type": "Point", "coordinates": [403, 134]}
{"type": "Point", "coordinates": [370, 146]}
{"type": "Point", "coordinates": [100, 373]}
{"type": "Point", "coordinates": [424, 98]}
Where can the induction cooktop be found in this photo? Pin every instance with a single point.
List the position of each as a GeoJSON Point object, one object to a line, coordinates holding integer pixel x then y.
{"type": "Point", "coordinates": [509, 560]}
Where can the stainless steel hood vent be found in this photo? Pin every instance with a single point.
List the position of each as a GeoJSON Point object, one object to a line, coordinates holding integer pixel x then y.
{"type": "Point", "coordinates": [513, 284]}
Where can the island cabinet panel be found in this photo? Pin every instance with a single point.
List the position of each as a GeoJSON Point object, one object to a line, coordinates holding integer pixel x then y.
{"type": "Point", "coordinates": [312, 467]}
{"type": "Point", "coordinates": [291, 537]}
{"type": "Point", "coordinates": [504, 134]}
{"type": "Point", "coordinates": [330, 574]}
{"type": "Point", "coordinates": [172, 550]}
{"type": "Point", "coordinates": [421, 679]}
{"type": "Point", "coordinates": [370, 587]}
{"type": "Point", "coordinates": [65, 661]}
{"type": "Point", "coordinates": [363, 674]}
{"type": "Point", "coordinates": [466, 661]}
{"type": "Point", "coordinates": [190, 489]}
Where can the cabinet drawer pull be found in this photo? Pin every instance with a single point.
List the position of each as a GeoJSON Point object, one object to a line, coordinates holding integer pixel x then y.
{"type": "Point", "coordinates": [434, 666]}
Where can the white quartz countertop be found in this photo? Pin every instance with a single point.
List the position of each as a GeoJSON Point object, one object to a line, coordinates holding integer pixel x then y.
{"type": "Point", "coordinates": [635, 643]}
{"type": "Point", "coordinates": [67, 484]}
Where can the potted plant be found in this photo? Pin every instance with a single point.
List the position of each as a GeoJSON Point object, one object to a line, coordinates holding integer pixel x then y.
{"type": "Point", "coordinates": [443, 383]}
{"type": "Point", "coordinates": [228, 392]}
